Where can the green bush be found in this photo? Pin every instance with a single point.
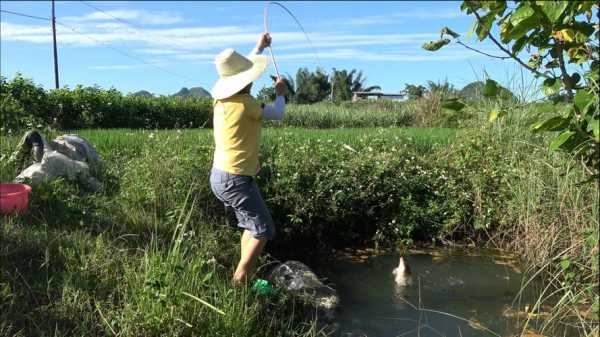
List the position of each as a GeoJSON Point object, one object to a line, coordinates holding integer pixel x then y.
{"type": "Point", "coordinates": [25, 105]}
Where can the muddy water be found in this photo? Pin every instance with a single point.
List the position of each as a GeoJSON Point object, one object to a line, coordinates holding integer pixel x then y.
{"type": "Point", "coordinates": [451, 295]}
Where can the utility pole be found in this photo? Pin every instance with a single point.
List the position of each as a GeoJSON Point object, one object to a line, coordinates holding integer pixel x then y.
{"type": "Point", "coordinates": [55, 53]}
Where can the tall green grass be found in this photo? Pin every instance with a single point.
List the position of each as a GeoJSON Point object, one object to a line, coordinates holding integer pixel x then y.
{"type": "Point", "coordinates": [365, 114]}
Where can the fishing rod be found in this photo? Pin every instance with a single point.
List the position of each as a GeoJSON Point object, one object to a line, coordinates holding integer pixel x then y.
{"type": "Point", "coordinates": [266, 29]}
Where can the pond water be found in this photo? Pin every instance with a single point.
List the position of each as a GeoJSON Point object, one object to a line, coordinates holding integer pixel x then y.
{"type": "Point", "coordinates": [451, 295]}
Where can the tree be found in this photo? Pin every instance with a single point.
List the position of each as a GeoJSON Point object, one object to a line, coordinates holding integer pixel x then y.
{"type": "Point", "coordinates": [555, 34]}
{"type": "Point", "coordinates": [346, 83]}
{"type": "Point", "coordinates": [414, 91]}
{"type": "Point", "coordinates": [311, 87]}
{"type": "Point", "coordinates": [442, 89]}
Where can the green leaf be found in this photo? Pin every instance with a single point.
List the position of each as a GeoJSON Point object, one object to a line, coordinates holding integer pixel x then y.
{"type": "Point", "coordinates": [552, 124]}
{"type": "Point", "coordinates": [471, 5]}
{"type": "Point", "coordinates": [453, 104]}
{"type": "Point", "coordinates": [565, 264]}
{"type": "Point", "coordinates": [523, 12]}
{"type": "Point", "coordinates": [493, 114]}
{"type": "Point", "coordinates": [471, 30]}
{"type": "Point", "coordinates": [490, 89]}
{"type": "Point", "coordinates": [496, 113]}
{"type": "Point", "coordinates": [450, 32]}
{"type": "Point", "coordinates": [519, 44]}
{"type": "Point", "coordinates": [595, 126]}
{"type": "Point", "coordinates": [518, 31]}
{"type": "Point", "coordinates": [483, 27]}
{"type": "Point", "coordinates": [553, 9]}
{"type": "Point", "coordinates": [582, 99]}
{"type": "Point", "coordinates": [435, 45]}
{"type": "Point", "coordinates": [551, 86]}
{"type": "Point", "coordinates": [561, 139]}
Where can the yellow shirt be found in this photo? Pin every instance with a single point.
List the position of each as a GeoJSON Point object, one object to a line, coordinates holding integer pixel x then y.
{"type": "Point", "coordinates": [236, 125]}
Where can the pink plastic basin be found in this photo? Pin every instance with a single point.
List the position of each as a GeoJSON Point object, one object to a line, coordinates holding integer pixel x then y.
{"type": "Point", "coordinates": [14, 198]}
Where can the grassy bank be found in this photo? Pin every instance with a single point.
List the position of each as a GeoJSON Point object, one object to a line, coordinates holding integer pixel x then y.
{"type": "Point", "coordinates": [121, 260]}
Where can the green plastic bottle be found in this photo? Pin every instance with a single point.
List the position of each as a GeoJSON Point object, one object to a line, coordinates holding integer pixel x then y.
{"type": "Point", "coordinates": [263, 287]}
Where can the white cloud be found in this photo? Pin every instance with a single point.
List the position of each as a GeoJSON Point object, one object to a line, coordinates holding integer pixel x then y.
{"type": "Point", "coordinates": [133, 15]}
{"type": "Point", "coordinates": [349, 40]}
{"type": "Point", "coordinates": [198, 38]}
{"type": "Point", "coordinates": [202, 43]}
{"type": "Point", "coordinates": [388, 56]}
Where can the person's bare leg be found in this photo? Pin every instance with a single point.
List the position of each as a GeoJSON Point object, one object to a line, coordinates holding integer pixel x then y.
{"type": "Point", "coordinates": [250, 251]}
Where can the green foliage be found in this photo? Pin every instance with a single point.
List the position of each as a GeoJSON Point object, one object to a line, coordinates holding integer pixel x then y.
{"type": "Point", "coordinates": [25, 105]}
{"type": "Point", "coordinates": [129, 252]}
{"type": "Point", "coordinates": [345, 83]}
{"type": "Point", "coordinates": [311, 87]}
{"type": "Point", "coordinates": [453, 104]}
{"type": "Point", "coordinates": [380, 113]}
{"type": "Point", "coordinates": [414, 91]}
{"type": "Point", "coordinates": [22, 104]}
{"type": "Point", "coordinates": [326, 199]}
{"type": "Point", "coordinates": [435, 45]}
{"type": "Point", "coordinates": [490, 88]}
{"type": "Point", "coordinates": [556, 34]}
{"type": "Point", "coordinates": [475, 91]}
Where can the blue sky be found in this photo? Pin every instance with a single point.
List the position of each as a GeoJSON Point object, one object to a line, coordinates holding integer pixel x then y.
{"type": "Point", "coordinates": [177, 42]}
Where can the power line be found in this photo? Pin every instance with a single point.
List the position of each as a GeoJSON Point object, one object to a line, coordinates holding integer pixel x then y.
{"type": "Point", "coordinates": [25, 15]}
{"type": "Point", "coordinates": [132, 26]}
{"type": "Point", "coordinates": [127, 23]}
{"type": "Point", "coordinates": [99, 42]}
{"type": "Point", "coordinates": [125, 53]}
{"type": "Point", "coordinates": [108, 14]}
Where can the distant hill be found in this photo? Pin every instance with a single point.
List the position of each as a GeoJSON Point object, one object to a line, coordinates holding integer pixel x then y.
{"type": "Point", "coordinates": [192, 92]}
{"type": "Point", "coordinates": [474, 91]}
{"type": "Point", "coordinates": [143, 93]}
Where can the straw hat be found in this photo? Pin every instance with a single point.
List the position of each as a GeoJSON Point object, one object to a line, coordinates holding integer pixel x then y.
{"type": "Point", "coordinates": [236, 72]}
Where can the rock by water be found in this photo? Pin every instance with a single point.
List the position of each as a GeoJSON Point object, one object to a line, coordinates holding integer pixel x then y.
{"type": "Point", "coordinates": [298, 278]}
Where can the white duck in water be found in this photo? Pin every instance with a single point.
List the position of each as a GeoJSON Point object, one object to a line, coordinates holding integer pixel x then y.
{"type": "Point", "coordinates": [402, 274]}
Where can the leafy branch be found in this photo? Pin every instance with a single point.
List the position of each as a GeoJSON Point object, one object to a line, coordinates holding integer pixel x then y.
{"type": "Point", "coordinates": [508, 52]}
{"type": "Point", "coordinates": [555, 33]}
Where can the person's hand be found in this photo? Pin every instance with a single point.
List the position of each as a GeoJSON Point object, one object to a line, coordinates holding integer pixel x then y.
{"type": "Point", "coordinates": [264, 40]}
{"type": "Point", "coordinates": [280, 87]}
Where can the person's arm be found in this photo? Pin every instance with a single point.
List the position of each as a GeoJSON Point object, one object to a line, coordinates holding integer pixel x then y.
{"type": "Point", "coordinates": [275, 110]}
{"type": "Point", "coordinates": [264, 40]}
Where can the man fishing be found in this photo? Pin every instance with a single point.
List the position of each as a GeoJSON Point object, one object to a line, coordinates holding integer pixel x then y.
{"type": "Point", "coordinates": [237, 126]}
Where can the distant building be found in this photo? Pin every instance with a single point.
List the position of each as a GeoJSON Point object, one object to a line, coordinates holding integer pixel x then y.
{"type": "Point", "coordinates": [360, 95]}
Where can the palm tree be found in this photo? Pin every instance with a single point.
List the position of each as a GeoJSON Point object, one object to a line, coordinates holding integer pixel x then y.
{"type": "Point", "coordinates": [443, 89]}
{"type": "Point", "coordinates": [345, 83]}
{"type": "Point", "coordinates": [358, 82]}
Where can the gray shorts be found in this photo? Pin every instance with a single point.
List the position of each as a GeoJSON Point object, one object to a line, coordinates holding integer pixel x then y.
{"type": "Point", "coordinates": [241, 194]}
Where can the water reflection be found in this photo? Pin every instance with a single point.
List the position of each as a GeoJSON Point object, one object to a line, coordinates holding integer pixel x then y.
{"type": "Point", "coordinates": [450, 295]}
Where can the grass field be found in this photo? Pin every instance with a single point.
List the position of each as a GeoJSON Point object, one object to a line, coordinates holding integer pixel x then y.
{"type": "Point", "coordinates": [122, 260]}
{"type": "Point", "coordinates": [125, 261]}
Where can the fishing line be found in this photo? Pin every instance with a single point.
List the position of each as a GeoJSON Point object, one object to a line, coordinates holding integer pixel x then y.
{"type": "Point", "coordinates": [266, 26]}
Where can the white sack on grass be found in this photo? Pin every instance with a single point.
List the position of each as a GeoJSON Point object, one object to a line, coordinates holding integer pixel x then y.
{"type": "Point", "coordinates": [55, 164]}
